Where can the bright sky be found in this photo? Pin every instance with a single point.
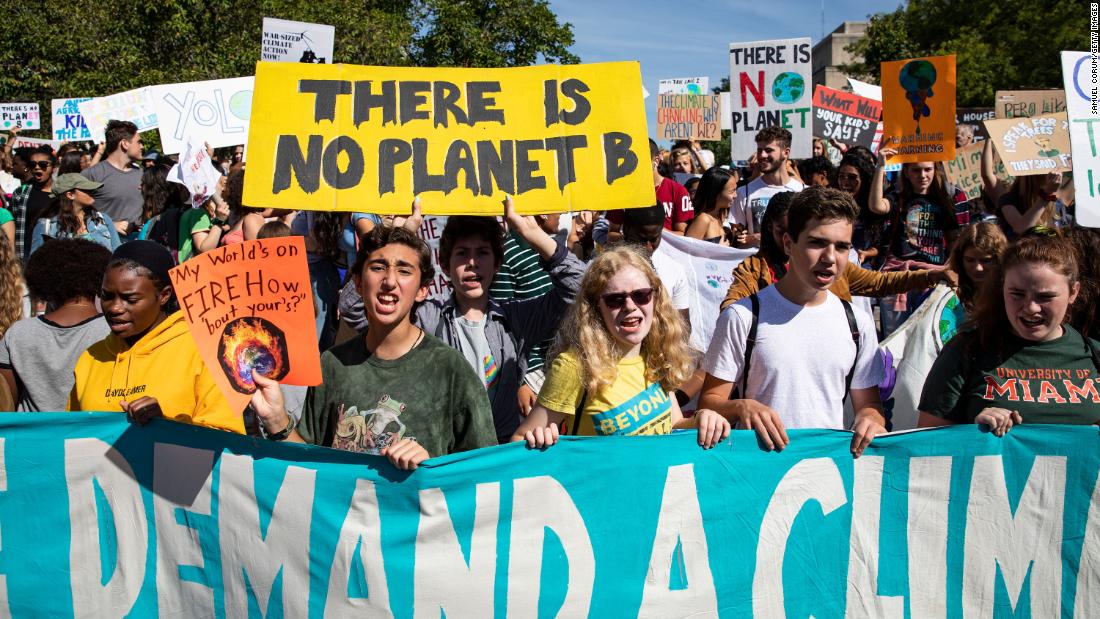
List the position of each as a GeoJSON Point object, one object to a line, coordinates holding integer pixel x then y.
{"type": "Point", "coordinates": [690, 38]}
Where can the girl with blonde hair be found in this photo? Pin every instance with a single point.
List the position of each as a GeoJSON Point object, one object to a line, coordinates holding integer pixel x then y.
{"type": "Point", "coordinates": [12, 293]}
{"type": "Point", "coordinates": [621, 351]}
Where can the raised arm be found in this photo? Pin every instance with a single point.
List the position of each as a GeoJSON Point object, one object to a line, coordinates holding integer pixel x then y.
{"type": "Point", "coordinates": [990, 182]}
{"type": "Point", "coordinates": [876, 202]}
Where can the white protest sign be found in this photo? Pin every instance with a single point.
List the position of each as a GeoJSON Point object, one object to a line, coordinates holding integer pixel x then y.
{"type": "Point", "coordinates": [709, 268]}
{"type": "Point", "coordinates": [196, 172]}
{"type": "Point", "coordinates": [295, 41]}
{"type": "Point", "coordinates": [684, 86]}
{"type": "Point", "coordinates": [213, 111]}
{"type": "Point", "coordinates": [724, 98]}
{"type": "Point", "coordinates": [21, 141]}
{"type": "Point", "coordinates": [1081, 73]}
{"type": "Point", "coordinates": [67, 123]}
{"type": "Point", "coordinates": [132, 105]}
{"type": "Point", "coordinates": [22, 115]}
{"type": "Point", "coordinates": [908, 354]}
{"type": "Point", "coordinates": [863, 89]}
{"type": "Point", "coordinates": [771, 86]}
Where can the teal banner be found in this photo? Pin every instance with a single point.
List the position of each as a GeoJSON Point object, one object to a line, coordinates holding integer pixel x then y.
{"type": "Point", "coordinates": [101, 518]}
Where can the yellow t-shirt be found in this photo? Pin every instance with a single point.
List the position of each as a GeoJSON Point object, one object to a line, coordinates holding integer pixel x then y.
{"type": "Point", "coordinates": [628, 406]}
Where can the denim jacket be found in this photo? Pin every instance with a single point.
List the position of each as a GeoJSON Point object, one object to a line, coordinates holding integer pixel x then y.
{"type": "Point", "coordinates": [101, 229]}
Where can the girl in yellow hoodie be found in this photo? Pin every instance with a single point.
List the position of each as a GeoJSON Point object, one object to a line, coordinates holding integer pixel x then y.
{"type": "Point", "coordinates": [148, 366]}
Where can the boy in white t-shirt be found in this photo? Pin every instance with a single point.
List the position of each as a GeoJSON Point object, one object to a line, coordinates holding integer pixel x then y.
{"type": "Point", "coordinates": [773, 151]}
{"type": "Point", "coordinates": [644, 226]}
{"type": "Point", "coordinates": [809, 350]}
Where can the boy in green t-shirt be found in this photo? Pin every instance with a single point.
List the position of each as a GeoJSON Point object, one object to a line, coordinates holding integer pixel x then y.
{"type": "Point", "coordinates": [395, 391]}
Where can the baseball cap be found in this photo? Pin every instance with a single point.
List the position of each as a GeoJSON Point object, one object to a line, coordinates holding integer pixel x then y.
{"type": "Point", "coordinates": [68, 182]}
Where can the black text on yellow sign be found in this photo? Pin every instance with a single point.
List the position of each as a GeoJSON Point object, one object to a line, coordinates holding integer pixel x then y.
{"type": "Point", "coordinates": [354, 138]}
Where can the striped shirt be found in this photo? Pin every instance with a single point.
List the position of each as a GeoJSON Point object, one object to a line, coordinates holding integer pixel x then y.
{"type": "Point", "coordinates": [521, 277]}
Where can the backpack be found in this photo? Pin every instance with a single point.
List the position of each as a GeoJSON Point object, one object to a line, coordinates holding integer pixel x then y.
{"type": "Point", "coordinates": [750, 343]}
{"type": "Point", "coordinates": [165, 228]}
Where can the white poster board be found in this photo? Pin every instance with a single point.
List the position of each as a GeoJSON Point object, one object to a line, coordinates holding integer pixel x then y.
{"type": "Point", "coordinates": [22, 115]}
{"type": "Point", "coordinates": [66, 122]}
{"type": "Point", "coordinates": [771, 85]}
{"type": "Point", "coordinates": [863, 89]}
{"type": "Point", "coordinates": [1081, 73]}
{"type": "Point", "coordinates": [684, 86]}
{"type": "Point", "coordinates": [295, 41]}
{"type": "Point", "coordinates": [212, 111]}
{"type": "Point", "coordinates": [196, 172]}
{"type": "Point", "coordinates": [21, 141]}
{"type": "Point", "coordinates": [132, 105]}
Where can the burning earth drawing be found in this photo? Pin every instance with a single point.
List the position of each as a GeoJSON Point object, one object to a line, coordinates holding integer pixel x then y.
{"type": "Point", "coordinates": [252, 344]}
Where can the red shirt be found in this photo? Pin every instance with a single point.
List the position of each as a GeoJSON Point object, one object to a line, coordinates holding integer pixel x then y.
{"type": "Point", "coordinates": [674, 198]}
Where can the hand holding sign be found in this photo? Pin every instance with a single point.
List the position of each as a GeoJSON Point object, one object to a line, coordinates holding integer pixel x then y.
{"type": "Point", "coordinates": [343, 135]}
{"type": "Point", "coordinates": [250, 308]}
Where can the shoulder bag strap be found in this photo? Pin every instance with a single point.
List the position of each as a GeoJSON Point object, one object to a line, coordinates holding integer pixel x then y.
{"type": "Point", "coordinates": [750, 343]}
{"type": "Point", "coordinates": [853, 327]}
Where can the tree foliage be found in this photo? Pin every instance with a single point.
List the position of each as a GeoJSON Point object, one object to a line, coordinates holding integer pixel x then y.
{"type": "Point", "coordinates": [89, 49]}
{"type": "Point", "coordinates": [998, 46]}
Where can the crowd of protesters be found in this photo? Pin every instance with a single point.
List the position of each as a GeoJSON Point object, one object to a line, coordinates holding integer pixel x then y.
{"type": "Point", "coordinates": [578, 326]}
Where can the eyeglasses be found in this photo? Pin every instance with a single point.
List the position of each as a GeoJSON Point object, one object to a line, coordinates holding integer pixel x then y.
{"type": "Point", "coordinates": [41, 165]}
{"type": "Point", "coordinates": [848, 177]}
{"type": "Point", "coordinates": [616, 300]}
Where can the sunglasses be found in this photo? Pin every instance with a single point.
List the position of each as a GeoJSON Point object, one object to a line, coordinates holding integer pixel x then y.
{"type": "Point", "coordinates": [616, 300]}
{"type": "Point", "coordinates": [41, 165]}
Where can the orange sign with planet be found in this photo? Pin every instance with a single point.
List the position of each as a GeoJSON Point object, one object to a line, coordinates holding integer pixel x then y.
{"type": "Point", "coordinates": [918, 108]}
{"type": "Point", "coordinates": [250, 307]}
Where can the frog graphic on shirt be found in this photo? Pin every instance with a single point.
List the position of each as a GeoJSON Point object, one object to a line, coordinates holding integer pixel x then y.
{"type": "Point", "coordinates": [372, 430]}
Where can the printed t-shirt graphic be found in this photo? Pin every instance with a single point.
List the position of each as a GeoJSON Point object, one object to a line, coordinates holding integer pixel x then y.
{"type": "Point", "coordinates": [630, 406]}
{"type": "Point", "coordinates": [1046, 382]}
{"type": "Point", "coordinates": [371, 430]}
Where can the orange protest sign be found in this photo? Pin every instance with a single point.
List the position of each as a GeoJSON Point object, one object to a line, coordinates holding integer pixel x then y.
{"type": "Point", "coordinates": [249, 306]}
{"type": "Point", "coordinates": [918, 112]}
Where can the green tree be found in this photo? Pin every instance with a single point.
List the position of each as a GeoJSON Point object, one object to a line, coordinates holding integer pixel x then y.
{"type": "Point", "coordinates": [721, 148]}
{"type": "Point", "coordinates": [998, 46]}
{"type": "Point", "coordinates": [89, 49]}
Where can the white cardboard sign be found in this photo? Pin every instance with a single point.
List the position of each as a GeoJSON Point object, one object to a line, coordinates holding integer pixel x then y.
{"type": "Point", "coordinates": [771, 85]}
{"type": "Point", "coordinates": [212, 111]}
{"type": "Point", "coordinates": [132, 105]}
{"type": "Point", "coordinates": [294, 41]}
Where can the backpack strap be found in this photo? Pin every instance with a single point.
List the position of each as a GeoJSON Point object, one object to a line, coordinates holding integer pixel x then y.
{"type": "Point", "coordinates": [576, 429]}
{"type": "Point", "coordinates": [750, 343]}
{"type": "Point", "coordinates": [854, 329]}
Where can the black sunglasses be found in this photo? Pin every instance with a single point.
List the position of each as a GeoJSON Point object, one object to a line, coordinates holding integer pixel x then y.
{"type": "Point", "coordinates": [616, 300]}
{"type": "Point", "coordinates": [41, 165]}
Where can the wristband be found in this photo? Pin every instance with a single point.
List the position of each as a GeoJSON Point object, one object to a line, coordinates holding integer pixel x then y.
{"type": "Point", "coordinates": [281, 435]}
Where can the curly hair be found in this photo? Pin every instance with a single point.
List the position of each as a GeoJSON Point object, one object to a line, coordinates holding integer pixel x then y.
{"type": "Point", "coordinates": [987, 238]}
{"type": "Point", "coordinates": [66, 270]}
{"type": "Point", "coordinates": [668, 359]}
{"type": "Point", "coordinates": [989, 318]}
{"type": "Point", "coordinates": [11, 294]}
{"type": "Point", "coordinates": [381, 236]}
{"type": "Point", "coordinates": [865, 168]}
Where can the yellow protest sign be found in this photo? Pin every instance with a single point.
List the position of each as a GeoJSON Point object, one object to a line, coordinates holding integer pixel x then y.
{"type": "Point", "coordinates": [357, 138]}
{"type": "Point", "coordinates": [918, 108]}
